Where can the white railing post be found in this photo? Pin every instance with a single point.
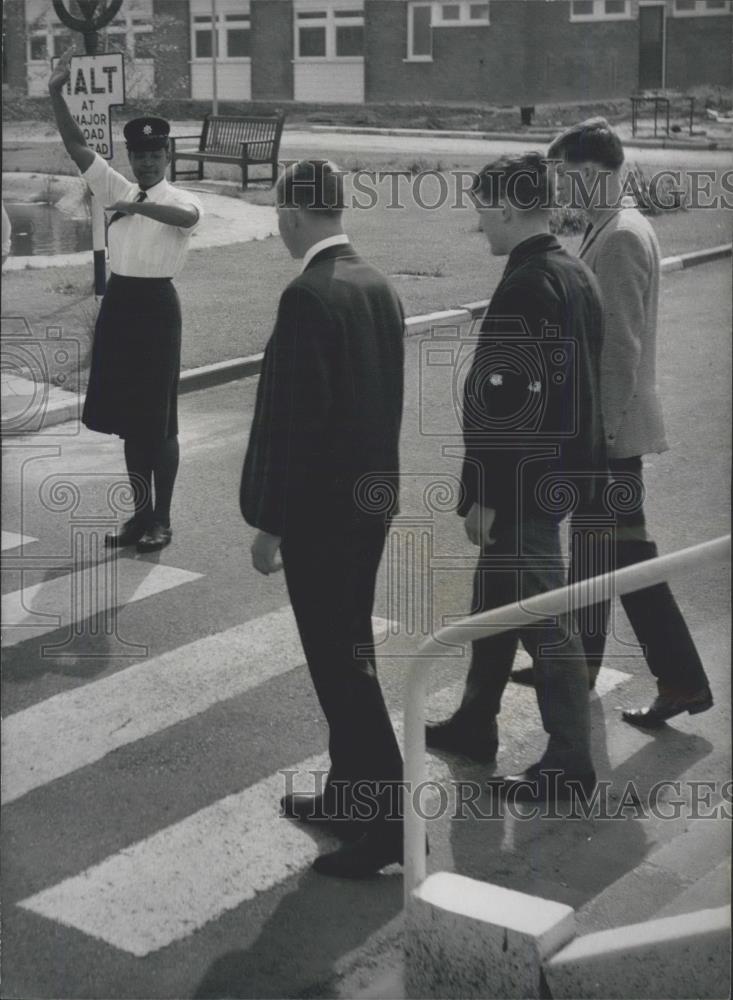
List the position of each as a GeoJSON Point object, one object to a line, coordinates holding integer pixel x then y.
{"type": "Point", "coordinates": [552, 602]}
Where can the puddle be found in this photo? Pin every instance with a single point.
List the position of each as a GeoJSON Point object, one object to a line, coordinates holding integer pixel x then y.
{"type": "Point", "coordinates": [39, 228]}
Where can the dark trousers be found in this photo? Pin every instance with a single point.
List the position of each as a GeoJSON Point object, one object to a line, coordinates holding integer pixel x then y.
{"type": "Point", "coordinates": [654, 615]}
{"type": "Point", "coordinates": [331, 574]}
{"type": "Point", "coordinates": [525, 561]}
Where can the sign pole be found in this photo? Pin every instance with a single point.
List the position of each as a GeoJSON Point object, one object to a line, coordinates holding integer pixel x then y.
{"type": "Point", "coordinates": [88, 26]}
{"type": "Point", "coordinates": [214, 54]}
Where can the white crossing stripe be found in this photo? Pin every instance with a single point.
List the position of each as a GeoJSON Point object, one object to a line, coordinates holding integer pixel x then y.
{"type": "Point", "coordinates": [77, 728]}
{"type": "Point", "coordinates": [12, 540]}
{"type": "Point", "coordinates": [169, 885]}
{"type": "Point", "coordinates": [166, 887]}
{"type": "Point", "coordinates": [64, 600]}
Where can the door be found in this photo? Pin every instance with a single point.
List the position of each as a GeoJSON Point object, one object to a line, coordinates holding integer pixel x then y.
{"type": "Point", "coordinates": [651, 47]}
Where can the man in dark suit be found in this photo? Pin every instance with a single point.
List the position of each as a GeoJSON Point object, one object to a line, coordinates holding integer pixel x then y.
{"type": "Point", "coordinates": [325, 435]}
{"type": "Point", "coordinates": [533, 435]}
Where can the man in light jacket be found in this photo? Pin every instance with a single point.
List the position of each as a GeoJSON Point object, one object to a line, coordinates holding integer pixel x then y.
{"type": "Point", "coordinates": [621, 249]}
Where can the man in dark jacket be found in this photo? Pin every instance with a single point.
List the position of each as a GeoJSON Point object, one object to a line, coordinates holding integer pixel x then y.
{"type": "Point", "coordinates": [534, 450]}
{"type": "Point", "coordinates": [323, 445]}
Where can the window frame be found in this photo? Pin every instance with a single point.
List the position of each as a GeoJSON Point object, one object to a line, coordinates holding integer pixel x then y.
{"type": "Point", "coordinates": [701, 9]}
{"type": "Point", "coordinates": [202, 22]}
{"type": "Point", "coordinates": [599, 13]}
{"type": "Point", "coordinates": [411, 7]}
{"type": "Point", "coordinates": [464, 20]}
{"type": "Point", "coordinates": [330, 15]}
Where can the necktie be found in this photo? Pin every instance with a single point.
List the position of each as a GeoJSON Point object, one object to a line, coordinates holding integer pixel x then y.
{"type": "Point", "coordinates": [121, 215]}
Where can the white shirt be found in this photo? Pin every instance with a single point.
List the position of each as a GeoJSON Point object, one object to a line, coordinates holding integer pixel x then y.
{"type": "Point", "coordinates": [330, 241]}
{"type": "Point", "coordinates": [141, 247]}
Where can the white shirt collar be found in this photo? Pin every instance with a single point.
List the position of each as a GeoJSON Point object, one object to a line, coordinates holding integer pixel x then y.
{"type": "Point", "coordinates": [330, 241]}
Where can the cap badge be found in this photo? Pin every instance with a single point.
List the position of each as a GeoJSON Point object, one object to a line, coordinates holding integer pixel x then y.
{"type": "Point", "coordinates": [148, 129]}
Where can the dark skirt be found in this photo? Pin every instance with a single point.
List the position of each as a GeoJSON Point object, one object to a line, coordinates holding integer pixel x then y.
{"type": "Point", "coordinates": [136, 360]}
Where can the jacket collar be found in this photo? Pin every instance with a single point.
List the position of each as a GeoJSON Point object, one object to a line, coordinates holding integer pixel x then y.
{"type": "Point", "coordinates": [542, 243]}
{"type": "Point", "coordinates": [337, 242]}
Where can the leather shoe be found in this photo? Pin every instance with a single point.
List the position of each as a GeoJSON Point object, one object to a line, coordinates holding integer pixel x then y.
{"type": "Point", "coordinates": [363, 857]}
{"type": "Point", "coordinates": [525, 676]}
{"type": "Point", "coordinates": [129, 534]}
{"type": "Point", "coordinates": [156, 537]}
{"type": "Point", "coordinates": [455, 736]}
{"type": "Point", "coordinates": [538, 784]}
{"type": "Point", "coordinates": [666, 705]}
{"type": "Point", "coordinates": [310, 809]}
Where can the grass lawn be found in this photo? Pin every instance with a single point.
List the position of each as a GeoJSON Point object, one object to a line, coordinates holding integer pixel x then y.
{"type": "Point", "coordinates": [437, 259]}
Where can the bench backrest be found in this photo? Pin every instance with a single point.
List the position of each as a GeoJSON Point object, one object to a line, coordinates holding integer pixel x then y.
{"type": "Point", "coordinates": [223, 134]}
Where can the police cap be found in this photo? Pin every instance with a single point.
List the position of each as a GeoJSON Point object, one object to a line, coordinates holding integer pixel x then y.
{"type": "Point", "coordinates": [146, 133]}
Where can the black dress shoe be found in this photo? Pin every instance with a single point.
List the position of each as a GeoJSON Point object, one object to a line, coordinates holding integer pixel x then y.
{"type": "Point", "coordinates": [156, 537]}
{"type": "Point", "coordinates": [129, 534]}
{"type": "Point", "coordinates": [543, 785]}
{"type": "Point", "coordinates": [454, 736]}
{"type": "Point", "coordinates": [310, 809]}
{"type": "Point", "coordinates": [526, 677]}
{"type": "Point", "coordinates": [668, 704]}
{"type": "Point", "coordinates": [363, 857]}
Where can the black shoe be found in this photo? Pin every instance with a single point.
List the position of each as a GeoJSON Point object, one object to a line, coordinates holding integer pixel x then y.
{"type": "Point", "coordinates": [129, 534]}
{"type": "Point", "coordinates": [454, 736]}
{"type": "Point", "coordinates": [363, 857]}
{"type": "Point", "coordinates": [156, 537]}
{"type": "Point", "coordinates": [668, 704]}
{"type": "Point", "coordinates": [526, 676]}
{"type": "Point", "coordinates": [310, 809]}
{"type": "Point", "coordinates": [539, 785]}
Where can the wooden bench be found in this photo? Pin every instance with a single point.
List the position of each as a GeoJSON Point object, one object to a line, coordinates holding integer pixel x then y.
{"type": "Point", "coordinates": [245, 141]}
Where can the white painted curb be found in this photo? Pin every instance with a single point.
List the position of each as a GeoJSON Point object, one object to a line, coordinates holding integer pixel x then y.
{"type": "Point", "coordinates": [672, 957]}
{"type": "Point", "coordinates": [465, 938]}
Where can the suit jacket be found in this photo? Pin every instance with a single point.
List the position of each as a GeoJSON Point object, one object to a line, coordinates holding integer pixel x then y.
{"type": "Point", "coordinates": [531, 411]}
{"type": "Point", "coordinates": [623, 253]}
{"type": "Point", "coordinates": [329, 400]}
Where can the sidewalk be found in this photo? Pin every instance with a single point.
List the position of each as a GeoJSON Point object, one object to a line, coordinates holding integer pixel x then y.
{"type": "Point", "coordinates": [716, 137]}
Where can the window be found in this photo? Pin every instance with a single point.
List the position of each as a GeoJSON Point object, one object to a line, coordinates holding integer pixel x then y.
{"type": "Point", "coordinates": [700, 8]}
{"type": "Point", "coordinates": [600, 10]}
{"type": "Point", "coordinates": [325, 32]}
{"type": "Point", "coordinates": [39, 48]}
{"type": "Point", "coordinates": [446, 15]}
{"type": "Point", "coordinates": [419, 31]}
{"type": "Point", "coordinates": [233, 40]}
{"type": "Point", "coordinates": [202, 37]}
{"type": "Point", "coordinates": [423, 16]}
{"type": "Point", "coordinates": [133, 35]}
{"type": "Point", "coordinates": [129, 32]}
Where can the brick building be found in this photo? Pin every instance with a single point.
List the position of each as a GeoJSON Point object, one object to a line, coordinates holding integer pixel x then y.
{"type": "Point", "coordinates": [495, 52]}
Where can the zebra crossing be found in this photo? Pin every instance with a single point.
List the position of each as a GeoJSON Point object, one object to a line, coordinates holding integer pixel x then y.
{"type": "Point", "coordinates": [188, 874]}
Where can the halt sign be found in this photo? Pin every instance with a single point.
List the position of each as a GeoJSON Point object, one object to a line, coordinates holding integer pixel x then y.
{"type": "Point", "coordinates": [96, 84]}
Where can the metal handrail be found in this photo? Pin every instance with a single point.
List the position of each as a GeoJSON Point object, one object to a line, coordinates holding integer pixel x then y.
{"type": "Point", "coordinates": [511, 616]}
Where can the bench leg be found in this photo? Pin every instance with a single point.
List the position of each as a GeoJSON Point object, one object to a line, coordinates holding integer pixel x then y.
{"type": "Point", "coordinates": [245, 175]}
{"type": "Point", "coordinates": [201, 170]}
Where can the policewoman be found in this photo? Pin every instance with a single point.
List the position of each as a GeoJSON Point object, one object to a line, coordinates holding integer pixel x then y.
{"type": "Point", "coordinates": [133, 382]}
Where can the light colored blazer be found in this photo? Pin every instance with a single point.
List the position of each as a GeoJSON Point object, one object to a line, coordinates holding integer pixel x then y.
{"type": "Point", "coordinates": [623, 253]}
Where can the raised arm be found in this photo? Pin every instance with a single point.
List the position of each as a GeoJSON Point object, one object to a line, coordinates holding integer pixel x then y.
{"type": "Point", "coordinates": [71, 135]}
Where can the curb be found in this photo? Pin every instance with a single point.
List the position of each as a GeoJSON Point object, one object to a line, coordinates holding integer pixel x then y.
{"type": "Point", "coordinates": [221, 372]}
{"type": "Point", "coordinates": [417, 133]}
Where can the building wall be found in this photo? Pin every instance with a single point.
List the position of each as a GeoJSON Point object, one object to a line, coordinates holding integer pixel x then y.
{"type": "Point", "coordinates": [15, 51]}
{"type": "Point", "coordinates": [699, 51]}
{"type": "Point", "coordinates": [172, 65]}
{"type": "Point", "coordinates": [272, 52]}
{"type": "Point", "coordinates": [579, 61]}
{"type": "Point", "coordinates": [555, 60]}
